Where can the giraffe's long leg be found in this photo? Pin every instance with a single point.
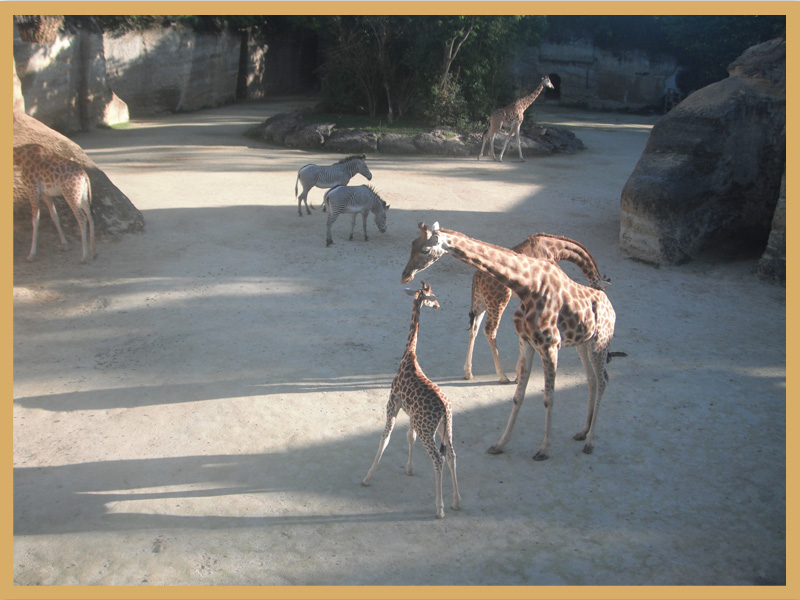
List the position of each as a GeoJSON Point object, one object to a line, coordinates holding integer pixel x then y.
{"type": "Point", "coordinates": [519, 141]}
{"type": "Point", "coordinates": [54, 216]}
{"type": "Point", "coordinates": [411, 436]}
{"type": "Point", "coordinates": [476, 317]}
{"type": "Point", "coordinates": [36, 213]}
{"type": "Point", "coordinates": [429, 442]}
{"type": "Point", "coordinates": [598, 362]}
{"type": "Point", "coordinates": [591, 380]}
{"type": "Point", "coordinates": [493, 314]}
{"type": "Point", "coordinates": [514, 127]}
{"type": "Point", "coordinates": [450, 456]}
{"type": "Point", "coordinates": [392, 408]}
{"type": "Point", "coordinates": [526, 353]}
{"type": "Point", "coordinates": [550, 366]}
{"type": "Point", "coordinates": [76, 200]}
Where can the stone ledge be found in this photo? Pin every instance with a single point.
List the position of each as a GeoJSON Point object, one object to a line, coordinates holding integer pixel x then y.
{"type": "Point", "coordinates": [292, 129]}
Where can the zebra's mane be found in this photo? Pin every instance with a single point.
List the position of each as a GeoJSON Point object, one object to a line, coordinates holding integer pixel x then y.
{"type": "Point", "coordinates": [352, 157]}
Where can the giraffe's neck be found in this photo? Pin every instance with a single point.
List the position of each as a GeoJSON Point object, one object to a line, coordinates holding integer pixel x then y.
{"type": "Point", "coordinates": [526, 101]}
{"type": "Point", "coordinates": [411, 344]}
{"type": "Point", "coordinates": [501, 263]}
{"type": "Point", "coordinates": [558, 248]}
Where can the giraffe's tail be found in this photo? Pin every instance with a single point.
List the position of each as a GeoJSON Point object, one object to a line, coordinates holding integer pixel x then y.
{"type": "Point", "coordinates": [609, 356]}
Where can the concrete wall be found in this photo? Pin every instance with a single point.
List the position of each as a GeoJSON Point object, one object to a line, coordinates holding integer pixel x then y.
{"type": "Point", "coordinates": [588, 76]}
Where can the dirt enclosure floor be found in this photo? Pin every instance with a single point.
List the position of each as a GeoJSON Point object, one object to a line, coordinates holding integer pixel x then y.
{"type": "Point", "coordinates": [199, 404]}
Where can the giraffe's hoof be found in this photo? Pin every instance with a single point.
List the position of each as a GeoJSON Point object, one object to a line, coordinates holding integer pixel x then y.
{"type": "Point", "coordinates": [505, 380]}
{"type": "Point", "coordinates": [467, 376]}
{"type": "Point", "coordinates": [365, 483]}
{"type": "Point", "coordinates": [588, 449]}
{"type": "Point", "coordinates": [328, 243]}
{"type": "Point", "coordinates": [580, 436]}
{"type": "Point", "coordinates": [539, 456]}
{"type": "Point", "coordinates": [29, 259]}
{"type": "Point", "coordinates": [440, 514]}
{"type": "Point", "coordinates": [495, 450]}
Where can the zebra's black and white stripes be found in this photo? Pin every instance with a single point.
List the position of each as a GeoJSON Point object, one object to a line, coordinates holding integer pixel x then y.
{"type": "Point", "coordinates": [353, 200]}
{"type": "Point", "coordinates": [339, 173]}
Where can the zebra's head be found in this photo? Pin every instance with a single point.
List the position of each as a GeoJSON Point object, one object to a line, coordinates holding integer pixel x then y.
{"type": "Point", "coordinates": [425, 250]}
{"type": "Point", "coordinates": [380, 214]}
{"type": "Point", "coordinates": [361, 166]}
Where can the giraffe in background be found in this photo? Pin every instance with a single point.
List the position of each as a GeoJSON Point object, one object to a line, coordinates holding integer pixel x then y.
{"type": "Point", "coordinates": [511, 116]}
{"type": "Point", "coordinates": [45, 175]}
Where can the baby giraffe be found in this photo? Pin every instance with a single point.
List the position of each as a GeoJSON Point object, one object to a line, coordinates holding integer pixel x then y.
{"type": "Point", "coordinates": [427, 407]}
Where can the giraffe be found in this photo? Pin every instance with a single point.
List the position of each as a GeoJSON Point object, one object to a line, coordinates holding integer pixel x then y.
{"type": "Point", "coordinates": [45, 175]}
{"type": "Point", "coordinates": [428, 409]}
{"type": "Point", "coordinates": [511, 116]}
{"type": "Point", "coordinates": [554, 311]}
{"type": "Point", "coordinates": [490, 297]}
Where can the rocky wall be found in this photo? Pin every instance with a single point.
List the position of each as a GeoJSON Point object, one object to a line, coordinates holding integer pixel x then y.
{"type": "Point", "coordinates": [63, 84]}
{"type": "Point", "coordinates": [173, 69]}
{"type": "Point", "coordinates": [585, 75]}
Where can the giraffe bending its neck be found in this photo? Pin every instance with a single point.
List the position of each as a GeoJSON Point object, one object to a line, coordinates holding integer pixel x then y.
{"type": "Point", "coordinates": [428, 409]}
{"type": "Point", "coordinates": [490, 297]}
{"type": "Point", "coordinates": [554, 312]}
{"type": "Point", "coordinates": [45, 175]}
{"type": "Point", "coordinates": [511, 116]}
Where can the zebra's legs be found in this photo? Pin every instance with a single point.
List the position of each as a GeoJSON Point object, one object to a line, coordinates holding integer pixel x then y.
{"type": "Point", "coordinates": [331, 218]}
{"type": "Point", "coordinates": [353, 226]}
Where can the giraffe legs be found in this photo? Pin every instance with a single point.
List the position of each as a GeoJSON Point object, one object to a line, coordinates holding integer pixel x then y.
{"type": "Point", "coordinates": [594, 365]}
{"type": "Point", "coordinates": [477, 318]}
{"type": "Point", "coordinates": [526, 353]}
{"type": "Point", "coordinates": [550, 365]}
{"type": "Point", "coordinates": [392, 408]}
{"type": "Point", "coordinates": [35, 218]}
{"type": "Point", "coordinates": [411, 436]}
{"type": "Point", "coordinates": [514, 127]}
{"type": "Point", "coordinates": [81, 208]}
{"type": "Point", "coordinates": [429, 442]}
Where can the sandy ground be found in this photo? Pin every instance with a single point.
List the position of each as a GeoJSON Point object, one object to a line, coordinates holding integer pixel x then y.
{"type": "Point", "coordinates": [199, 405]}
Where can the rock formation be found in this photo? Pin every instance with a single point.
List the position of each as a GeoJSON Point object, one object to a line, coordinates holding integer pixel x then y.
{"type": "Point", "coordinates": [709, 179]}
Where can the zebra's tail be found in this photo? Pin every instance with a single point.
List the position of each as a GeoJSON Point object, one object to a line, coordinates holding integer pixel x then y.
{"type": "Point", "coordinates": [325, 197]}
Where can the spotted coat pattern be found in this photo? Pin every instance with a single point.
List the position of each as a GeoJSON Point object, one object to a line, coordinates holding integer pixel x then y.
{"type": "Point", "coordinates": [554, 312]}
{"type": "Point", "coordinates": [428, 409]}
{"type": "Point", "coordinates": [490, 297]}
{"type": "Point", "coordinates": [511, 116]}
{"type": "Point", "coordinates": [44, 176]}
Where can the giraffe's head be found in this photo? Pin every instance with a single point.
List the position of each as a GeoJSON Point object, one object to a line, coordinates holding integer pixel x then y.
{"type": "Point", "coordinates": [424, 296]}
{"type": "Point", "coordinates": [547, 83]}
{"type": "Point", "coordinates": [425, 250]}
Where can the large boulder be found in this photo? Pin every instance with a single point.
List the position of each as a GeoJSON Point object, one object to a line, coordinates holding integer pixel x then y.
{"type": "Point", "coordinates": [772, 265]}
{"type": "Point", "coordinates": [708, 180]}
{"type": "Point", "coordinates": [112, 211]}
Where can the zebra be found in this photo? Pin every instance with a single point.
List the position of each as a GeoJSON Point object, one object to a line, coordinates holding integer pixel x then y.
{"type": "Point", "coordinates": [353, 200]}
{"type": "Point", "coordinates": [327, 177]}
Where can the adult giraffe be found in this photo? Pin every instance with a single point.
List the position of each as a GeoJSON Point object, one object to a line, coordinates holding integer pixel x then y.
{"type": "Point", "coordinates": [555, 311]}
{"type": "Point", "coordinates": [511, 116]}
